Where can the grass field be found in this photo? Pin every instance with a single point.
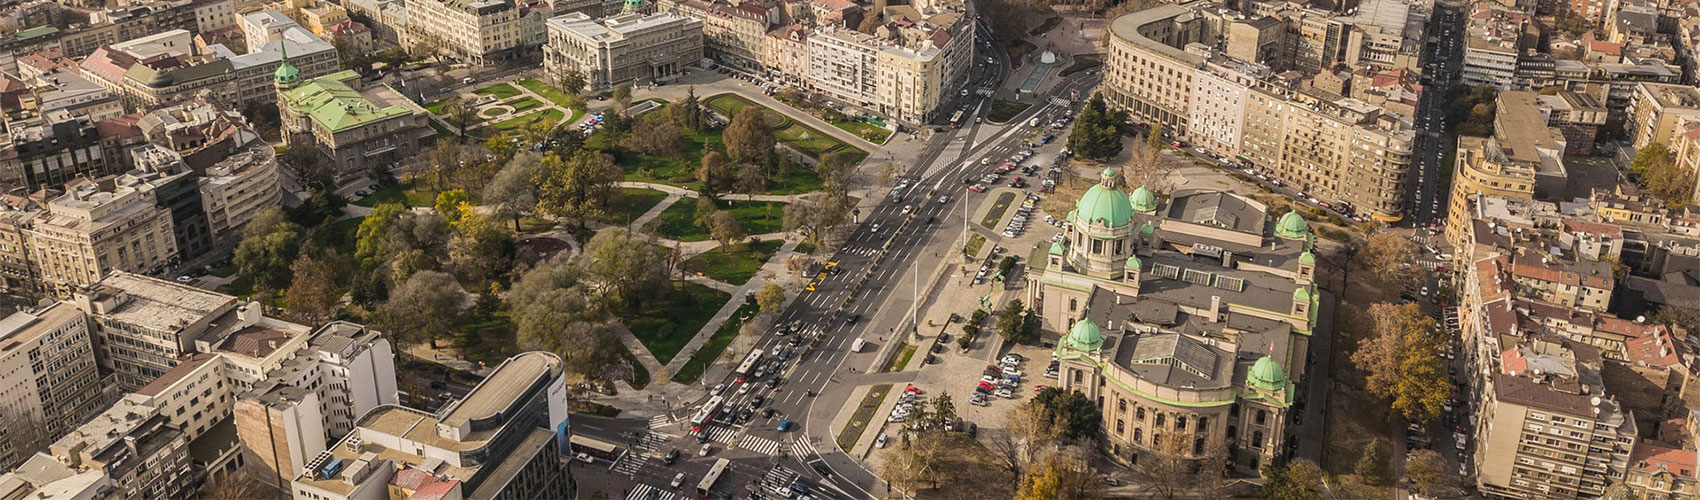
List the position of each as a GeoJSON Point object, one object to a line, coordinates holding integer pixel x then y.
{"type": "Point", "coordinates": [403, 193]}
{"type": "Point", "coordinates": [998, 208]}
{"type": "Point", "coordinates": [735, 264]}
{"type": "Point", "coordinates": [756, 217]}
{"type": "Point", "coordinates": [436, 107]}
{"type": "Point", "coordinates": [633, 203]}
{"type": "Point", "coordinates": [549, 92]}
{"type": "Point", "coordinates": [901, 359]}
{"type": "Point", "coordinates": [640, 375]}
{"type": "Point", "coordinates": [1003, 111]}
{"type": "Point", "coordinates": [675, 170]}
{"type": "Point", "coordinates": [549, 116]}
{"type": "Point", "coordinates": [666, 324]}
{"type": "Point", "coordinates": [716, 344]}
{"type": "Point", "coordinates": [802, 137]}
{"type": "Point", "coordinates": [863, 415]}
{"type": "Point", "coordinates": [975, 242]}
{"type": "Point", "coordinates": [873, 133]}
{"type": "Point", "coordinates": [500, 90]}
{"type": "Point", "coordinates": [523, 103]}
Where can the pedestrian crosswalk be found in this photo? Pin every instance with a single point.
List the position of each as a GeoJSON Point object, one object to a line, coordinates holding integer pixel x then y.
{"type": "Point", "coordinates": [778, 478]}
{"type": "Point", "coordinates": [651, 443]}
{"type": "Point", "coordinates": [631, 462]}
{"type": "Point", "coordinates": [759, 444]}
{"type": "Point", "coordinates": [663, 420]}
{"type": "Point", "coordinates": [647, 492]}
{"type": "Point", "coordinates": [860, 251]}
{"type": "Point", "coordinates": [801, 448]}
{"type": "Point", "coordinates": [720, 434]}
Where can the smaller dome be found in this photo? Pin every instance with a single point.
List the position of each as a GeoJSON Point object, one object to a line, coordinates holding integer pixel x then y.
{"type": "Point", "coordinates": [1144, 201]}
{"type": "Point", "coordinates": [1057, 247]}
{"type": "Point", "coordinates": [1267, 374]}
{"type": "Point", "coordinates": [1133, 263]}
{"type": "Point", "coordinates": [1107, 174]}
{"type": "Point", "coordinates": [1147, 229]}
{"type": "Point", "coordinates": [1301, 294]}
{"type": "Point", "coordinates": [1292, 226]}
{"type": "Point", "coordinates": [1085, 335]}
{"type": "Point", "coordinates": [1307, 258]}
{"type": "Point", "coordinates": [287, 73]}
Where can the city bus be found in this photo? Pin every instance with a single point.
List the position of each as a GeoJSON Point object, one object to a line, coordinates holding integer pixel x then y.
{"type": "Point", "coordinates": [956, 119]}
{"type": "Point", "coordinates": [712, 477]}
{"type": "Point", "coordinates": [594, 447]}
{"type": "Point", "coordinates": [748, 365]}
{"type": "Point", "coordinates": [707, 413]}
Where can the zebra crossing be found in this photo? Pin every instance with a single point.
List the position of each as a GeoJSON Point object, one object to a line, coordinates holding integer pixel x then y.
{"type": "Point", "coordinates": [778, 478]}
{"type": "Point", "coordinates": [801, 448]}
{"type": "Point", "coordinates": [651, 443]}
{"type": "Point", "coordinates": [759, 444]}
{"type": "Point", "coordinates": [643, 492]}
{"type": "Point", "coordinates": [861, 251]}
{"type": "Point", "coordinates": [630, 463]}
{"type": "Point", "coordinates": [663, 420]}
{"type": "Point", "coordinates": [722, 435]}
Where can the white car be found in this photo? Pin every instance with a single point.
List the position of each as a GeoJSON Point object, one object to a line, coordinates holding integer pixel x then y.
{"type": "Point", "coordinates": [678, 480]}
{"type": "Point", "coordinates": [718, 389]}
{"type": "Point", "coordinates": [584, 457]}
{"type": "Point", "coordinates": [1004, 393]}
{"type": "Point", "coordinates": [744, 389]}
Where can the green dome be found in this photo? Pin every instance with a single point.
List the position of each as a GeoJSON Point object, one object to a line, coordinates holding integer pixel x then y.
{"type": "Point", "coordinates": [1147, 229]}
{"type": "Point", "coordinates": [1105, 203]}
{"type": "Point", "coordinates": [1085, 336]}
{"type": "Point", "coordinates": [1057, 247]}
{"type": "Point", "coordinates": [1267, 374]}
{"type": "Point", "coordinates": [1144, 201]}
{"type": "Point", "coordinates": [286, 73]}
{"type": "Point", "coordinates": [1301, 294]}
{"type": "Point", "coordinates": [1307, 258]}
{"type": "Point", "coordinates": [1292, 226]}
{"type": "Point", "coordinates": [1132, 263]}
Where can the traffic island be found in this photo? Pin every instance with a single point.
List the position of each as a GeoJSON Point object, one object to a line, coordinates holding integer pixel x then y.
{"type": "Point", "coordinates": [862, 416]}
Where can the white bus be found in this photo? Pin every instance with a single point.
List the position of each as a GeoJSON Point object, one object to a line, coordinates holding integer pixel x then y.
{"type": "Point", "coordinates": [748, 365]}
{"type": "Point", "coordinates": [707, 413]}
{"type": "Point", "coordinates": [713, 476]}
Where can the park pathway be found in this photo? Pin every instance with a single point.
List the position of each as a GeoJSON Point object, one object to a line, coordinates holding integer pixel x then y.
{"type": "Point", "coordinates": [776, 264]}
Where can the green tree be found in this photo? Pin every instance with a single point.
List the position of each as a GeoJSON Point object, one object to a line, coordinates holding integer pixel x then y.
{"type": "Point", "coordinates": [724, 228]}
{"type": "Point", "coordinates": [1095, 135]}
{"type": "Point", "coordinates": [578, 187]}
{"type": "Point", "coordinates": [1300, 479]}
{"type": "Point", "coordinates": [688, 111]}
{"type": "Point", "coordinates": [1371, 467]}
{"type": "Point", "coordinates": [623, 98]}
{"type": "Point", "coordinates": [481, 248]}
{"type": "Point", "coordinates": [309, 167]}
{"type": "Point", "coordinates": [944, 411]}
{"type": "Point", "coordinates": [703, 215]}
{"type": "Point", "coordinates": [453, 204]}
{"type": "Point", "coordinates": [512, 193]}
{"type": "Point", "coordinates": [570, 323]}
{"type": "Point", "coordinates": [1658, 174]}
{"type": "Point", "coordinates": [1154, 137]}
{"type": "Point", "coordinates": [1009, 319]}
{"type": "Point", "coordinates": [714, 174]}
{"type": "Point", "coordinates": [656, 134]}
{"type": "Point", "coordinates": [460, 114]}
{"type": "Point", "coordinates": [748, 139]}
{"type": "Point", "coordinates": [1073, 413]}
{"type": "Point", "coordinates": [770, 298]}
{"type": "Point", "coordinates": [423, 309]}
{"type": "Point", "coordinates": [1401, 361]}
{"type": "Point", "coordinates": [269, 246]}
{"type": "Point", "coordinates": [624, 267]}
{"type": "Point", "coordinates": [814, 216]}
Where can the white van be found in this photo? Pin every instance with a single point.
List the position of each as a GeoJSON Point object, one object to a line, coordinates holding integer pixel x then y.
{"type": "Point", "coordinates": [857, 345]}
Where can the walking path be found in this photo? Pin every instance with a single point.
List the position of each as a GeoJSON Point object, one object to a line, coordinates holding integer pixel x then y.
{"type": "Point", "coordinates": [775, 264]}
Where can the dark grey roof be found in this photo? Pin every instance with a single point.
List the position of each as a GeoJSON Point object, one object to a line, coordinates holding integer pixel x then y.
{"type": "Point", "coordinates": [1180, 368]}
{"type": "Point", "coordinates": [1178, 351]}
{"type": "Point", "coordinates": [1217, 208]}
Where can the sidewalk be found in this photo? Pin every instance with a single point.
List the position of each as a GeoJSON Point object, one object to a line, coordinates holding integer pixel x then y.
{"type": "Point", "coordinates": [731, 306]}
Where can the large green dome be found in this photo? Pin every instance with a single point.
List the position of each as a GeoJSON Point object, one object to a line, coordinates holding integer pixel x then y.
{"type": "Point", "coordinates": [1144, 201]}
{"type": "Point", "coordinates": [286, 73]}
{"type": "Point", "coordinates": [1267, 374]}
{"type": "Point", "coordinates": [1104, 204]}
{"type": "Point", "coordinates": [1292, 226]}
{"type": "Point", "coordinates": [1085, 336]}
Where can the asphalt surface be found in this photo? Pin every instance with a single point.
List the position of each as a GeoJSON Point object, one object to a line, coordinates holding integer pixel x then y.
{"type": "Point", "coordinates": [1443, 63]}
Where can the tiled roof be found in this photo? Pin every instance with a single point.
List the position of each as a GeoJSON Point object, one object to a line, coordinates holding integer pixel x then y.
{"type": "Point", "coordinates": [1652, 456]}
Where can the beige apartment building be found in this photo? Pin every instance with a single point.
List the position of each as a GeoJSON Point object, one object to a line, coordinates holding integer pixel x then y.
{"type": "Point", "coordinates": [623, 49]}
{"type": "Point", "coordinates": [734, 34]}
{"type": "Point", "coordinates": [1484, 168]}
{"type": "Point", "coordinates": [1548, 427]}
{"type": "Point", "coordinates": [1657, 112]}
{"type": "Point", "coordinates": [1148, 72]}
{"type": "Point", "coordinates": [916, 75]}
{"type": "Point", "coordinates": [48, 381]}
{"type": "Point", "coordinates": [1333, 148]}
{"type": "Point", "coordinates": [476, 31]}
{"type": "Point", "coordinates": [97, 227]}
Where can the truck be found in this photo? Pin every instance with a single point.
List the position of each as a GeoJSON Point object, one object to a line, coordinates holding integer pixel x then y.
{"type": "Point", "coordinates": [857, 345]}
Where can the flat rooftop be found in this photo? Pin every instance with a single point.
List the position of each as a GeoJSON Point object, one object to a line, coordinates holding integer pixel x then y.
{"type": "Point", "coordinates": [159, 304]}
{"type": "Point", "coordinates": [498, 392]}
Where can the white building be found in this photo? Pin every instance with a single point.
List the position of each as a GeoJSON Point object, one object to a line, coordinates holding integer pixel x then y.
{"type": "Point", "coordinates": [48, 381]}
{"type": "Point", "coordinates": [623, 49]}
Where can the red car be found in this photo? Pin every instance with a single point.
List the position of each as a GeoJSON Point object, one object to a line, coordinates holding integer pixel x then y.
{"type": "Point", "coordinates": [1039, 388]}
{"type": "Point", "coordinates": [978, 188]}
{"type": "Point", "coordinates": [912, 390]}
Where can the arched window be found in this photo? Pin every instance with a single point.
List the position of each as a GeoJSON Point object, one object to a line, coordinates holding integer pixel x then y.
{"type": "Point", "coordinates": [1138, 434]}
{"type": "Point", "coordinates": [1204, 424]}
{"type": "Point", "coordinates": [1257, 439]}
{"type": "Point", "coordinates": [1073, 305]}
{"type": "Point", "coordinates": [1121, 405]}
{"type": "Point", "coordinates": [1159, 419]}
{"type": "Point", "coordinates": [1156, 439]}
{"type": "Point", "coordinates": [1180, 423]}
{"type": "Point", "coordinates": [1120, 428]}
{"type": "Point", "coordinates": [1139, 414]}
{"type": "Point", "coordinates": [1261, 415]}
{"type": "Point", "coordinates": [1233, 432]}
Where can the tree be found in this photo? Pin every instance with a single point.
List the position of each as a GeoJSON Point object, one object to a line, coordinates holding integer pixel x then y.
{"type": "Point", "coordinates": [748, 138]}
{"type": "Point", "coordinates": [870, 22]}
{"type": "Point", "coordinates": [703, 215]}
{"type": "Point", "coordinates": [576, 187]}
{"type": "Point", "coordinates": [569, 79]}
{"type": "Point", "coordinates": [1389, 256]}
{"type": "Point", "coordinates": [1149, 166]}
{"type": "Point", "coordinates": [835, 168]}
{"type": "Point", "coordinates": [1401, 361]}
{"type": "Point", "coordinates": [1028, 434]}
{"type": "Point", "coordinates": [269, 246]}
{"type": "Point", "coordinates": [724, 228]}
{"type": "Point", "coordinates": [714, 172]}
{"type": "Point", "coordinates": [423, 309]}
{"type": "Point", "coordinates": [688, 111]}
{"type": "Point", "coordinates": [1095, 136]}
{"type": "Point", "coordinates": [309, 167]}
{"type": "Point", "coordinates": [1428, 474]}
{"type": "Point", "coordinates": [313, 293]}
{"type": "Point", "coordinates": [656, 135]}
{"type": "Point", "coordinates": [1658, 174]}
{"type": "Point", "coordinates": [623, 98]}
{"type": "Point", "coordinates": [1618, 491]}
{"type": "Point", "coordinates": [247, 482]}
{"type": "Point", "coordinates": [770, 298]}
{"type": "Point", "coordinates": [944, 411]}
{"type": "Point", "coordinates": [1009, 319]}
{"type": "Point", "coordinates": [1167, 469]}
{"type": "Point", "coordinates": [902, 472]}
{"type": "Point", "coordinates": [461, 114]}
{"type": "Point", "coordinates": [1300, 479]}
{"type": "Point", "coordinates": [1075, 415]}
{"type": "Point", "coordinates": [624, 267]}
{"type": "Point", "coordinates": [750, 179]}
{"type": "Point", "coordinates": [1372, 464]}
{"type": "Point", "coordinates": [1061, 476]}
{"type": "Point", "coordinates": [481, 248]}
{"type": "Point", "coordinates": [569, 323]}
{"type": "Point", "coordinates": [812, 217]}
{"type": "Point", "coordinates": [453, 204]}
{"type": "Point", "coordinates": [511, 193]}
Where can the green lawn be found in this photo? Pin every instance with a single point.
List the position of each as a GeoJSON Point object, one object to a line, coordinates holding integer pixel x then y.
{"type": "Point", "coordinates": [523, 103]}
{"type": "Point", "coordinates": [549, 92]}
{"type": "Point", "coordinates": [666, 324]}
{"type": "Point", "coordinates": [735, 264]}
{"type": "Point", "coordinates": [549, 116]}
{"type": "Point", "coordinates": [863, 415]}
{"type": "Point", "coordinates": [998, 208]}
{"type": "Point", "coordinates": [441, 130]}
{"type": "Point", "coordinates": [500, 90]}
{"type": "Point", "coordinates": [716, 344]}
{"type": "Point", "coordinates": [901, 359]}
{"type": "Point", "coordinates": [1003, 111]}
{"type": "Point", "coordinates": [756, 217]}
{"type": "Point", "coordinates": [873, 133]}
{"type": "Point", "coordinates": [806, 139]}
{"type": "Point", "coordinates": [675, 170]}
{"type": "Point", "coordinates": [975, 242]}
{"type": "Point", "coordinates": [632, 203]}
{"type": "Point", "coordinates": [436, 107]}
{"type": "Point", "coordinates": [491, 112]}
{"type": "Point", "coordinates": [403, 193]}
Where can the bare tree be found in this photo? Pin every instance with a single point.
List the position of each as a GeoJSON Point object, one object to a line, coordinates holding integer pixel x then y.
{"type": "Point", "coordinates": [1028, 435]}
{"type": "Point", "coordinates": [1149, 166]}
{"type": "Point", "coordinates": [1167, 470]}
{"type": "Point", "coordinates": [1389, 256]}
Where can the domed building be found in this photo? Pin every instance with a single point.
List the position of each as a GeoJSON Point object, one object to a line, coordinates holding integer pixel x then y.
{"type": "Point", "coordinates": [1187, 319]}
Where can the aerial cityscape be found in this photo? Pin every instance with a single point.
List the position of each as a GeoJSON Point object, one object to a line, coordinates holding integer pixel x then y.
{"type": "Point", "coordinates": [646, 249]}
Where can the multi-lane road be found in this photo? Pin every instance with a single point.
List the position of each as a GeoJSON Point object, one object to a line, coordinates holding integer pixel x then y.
{"type": "Point", "coordinates": [1441, 70]}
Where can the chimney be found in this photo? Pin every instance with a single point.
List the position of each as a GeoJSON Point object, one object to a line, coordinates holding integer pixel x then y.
{"type": "Point", "coordinates": [1228, 259]}
{"type": "Point", "coordinates": [249, 314]}
{"type": "Point", "coordinates": [1215, 308]}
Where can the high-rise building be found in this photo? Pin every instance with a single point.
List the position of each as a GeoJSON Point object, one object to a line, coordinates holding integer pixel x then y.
{"type": "Point", "coordinates": [48, 381]}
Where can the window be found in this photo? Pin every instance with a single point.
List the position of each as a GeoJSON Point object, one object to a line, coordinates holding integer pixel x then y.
{"type": "Point", "coordinates": [1139, 414]}
{"type": "Point", "coordinates": [1180, 423]}
{"type": "Point", "coordinates": [1204, 424]}
{"type": "Point", "coordinates": [1198, 446]}
{"type": "Point", "coordinates": [1138, 435]}
{"type": "Point", "coordinates": [1257, 439]}
{"type": "Point", "coordinates": [1261, 415]}
{"type": "Point", "coordinates": [1160, 419]}
{"type": "Point", "coordinates": [1120, 427]}
{"type": "Point", "coordinates": [1121, 405]}
{"type": "Point", "coordinates": [1073, 305]}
